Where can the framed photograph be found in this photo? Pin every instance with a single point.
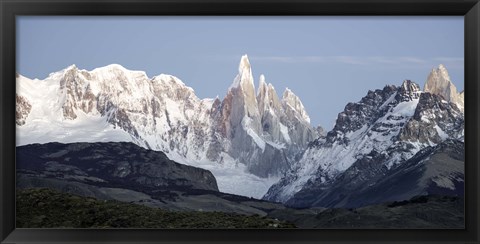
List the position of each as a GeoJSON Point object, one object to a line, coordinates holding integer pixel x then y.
{"type": "Point", "coordinates": [269, 121]}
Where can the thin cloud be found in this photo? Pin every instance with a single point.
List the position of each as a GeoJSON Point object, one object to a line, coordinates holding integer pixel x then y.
{"type": "Point", "coordinates": [350, 60]}
{"type": "Point", "coordinates": [412, 60]}
{"type": "Point", "coordinates": [383, 60]}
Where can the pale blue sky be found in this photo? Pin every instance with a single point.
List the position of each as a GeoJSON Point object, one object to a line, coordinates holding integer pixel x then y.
{"type": "Point", "coordinates": [326, 61]}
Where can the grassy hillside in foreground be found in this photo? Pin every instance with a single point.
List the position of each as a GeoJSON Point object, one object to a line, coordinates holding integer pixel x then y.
{"type": "Point", "coordinates": [45, 208]}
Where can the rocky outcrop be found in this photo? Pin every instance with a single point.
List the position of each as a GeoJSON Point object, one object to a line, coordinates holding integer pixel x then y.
{"type": "Point", "coordinates": [127, 173]}
{"type": "Point", "coordinates": [114, 164]}
{"type": "Point", "coordinates": [76, 92]}
{"type": "Point", "coordinates": [433, 121]}
{"type": "Point", "coordinates": [22, 109]}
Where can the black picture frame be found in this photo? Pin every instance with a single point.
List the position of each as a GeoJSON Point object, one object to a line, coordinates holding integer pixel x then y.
{"type": "Point", "coordinates": [9, 9]}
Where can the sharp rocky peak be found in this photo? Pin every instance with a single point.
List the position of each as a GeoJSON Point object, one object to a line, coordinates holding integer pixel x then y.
{"type": "Point", "coordinates": [409, 90]}
{"type": "Point", "coordinates": [290, 99]}
{"type": "Point", "coordinates": [267, 97]}
{"type": "Point", "coordinates": [438, 80]}
{"type": "Point", "coordinates": [244, 64]}
{"type": "Point", "coordinates": [410, 86]}
{"type": "Point", "coordinates": [439, 83]}
{"type": "Point", "coordinates": [71, 67]}
{"type": "Point", "coordinates": [68, 71]}
{"type": "Point", "coordinates": [266, 90]}
{"type": "Point", "coordinates": [262, 85]}
{"type": "Point", "coordinates": [244, 79]}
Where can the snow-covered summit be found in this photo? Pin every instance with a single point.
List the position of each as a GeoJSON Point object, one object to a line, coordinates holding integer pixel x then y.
{"type": "Point", "coordinates": [164, 82]}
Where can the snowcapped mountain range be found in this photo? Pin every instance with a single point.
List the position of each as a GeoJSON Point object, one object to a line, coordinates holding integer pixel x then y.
{"type": "Point", "coordinates": [376, 137]}
{"type": "Point", "coordinates": [247, 140]}
{"type": "Point", "coordinates": [256, 143]}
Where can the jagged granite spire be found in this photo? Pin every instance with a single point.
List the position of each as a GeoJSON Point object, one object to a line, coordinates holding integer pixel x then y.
{"type": "Point", "coordinates": [289, 98]}
{"type": "Point", "coordinates": [271, 111]}
{"type": "Point", "coordinates": [439, 83]}
{"type": "Point", "coordinates": [408, 91]}
{"type": "Point", "coordinates": [267, 97]}
{"type": "Point", "coordinates": [243, 105]}
{"type": "Point", "coordinates": [244, 78]}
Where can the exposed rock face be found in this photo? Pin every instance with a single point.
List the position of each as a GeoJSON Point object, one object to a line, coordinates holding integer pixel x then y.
{"type": "Point", "coordinates": [22, 109]}
{"type": "Point", "coordinates": [321, 132]}
{"type": "Point", "coordinates": [116, 164]}
{"type": "Point", "coordinates": [284, 120]}
{"type": "Point", "coordinates": [244, 102]}
{"type": "Point", "coordinates": [371, 138]}
{"type": "Point", "coordinates": [261, 131]}
{"type": "Point", "coordinates": [439, 82]}
{"type": "Point", "coordinates": [77, 93]}
{"type": "Point", "coordinates": [241, 119]}
{"type": "Point", "coordinates": [293, 103]}
{"type": "Point", "coordinates": [128, 173]}
{"type": "Point", "coordinates": [462, 97]}
{"type": "Point", "coordinates": [435, 170]}
{"type": "Point", "coordinates": [256, 129]}
{"type": "Point", "coordinates": [270, 109]}
{"type": "Point", "coordinates": [433, 121]}
{"type": "Point", "coordinates": [325, 157]}
{"type": "Point", "coordinates": [297, 120]}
